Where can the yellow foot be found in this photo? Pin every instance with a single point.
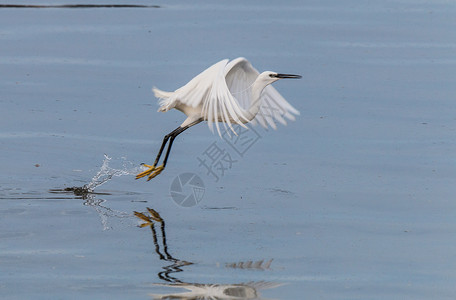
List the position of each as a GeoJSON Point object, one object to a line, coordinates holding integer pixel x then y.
{"type": "Point", "coordinates": [147, 172]}
{"type": "Point", "coordinates": [155, 172]}
{"type": "Point", "coordinates": [145, 218]}
{"type": "Point", "coordinates": [154, 216]}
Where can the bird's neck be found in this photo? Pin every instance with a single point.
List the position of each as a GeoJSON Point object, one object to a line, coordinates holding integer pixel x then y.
{"type": "Point", "coordinates": [257, 89]}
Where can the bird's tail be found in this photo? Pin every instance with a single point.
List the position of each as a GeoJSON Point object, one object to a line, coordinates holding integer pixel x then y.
{"type": "Point", "coordinates": [164, 99]}
{"type": "Point", "coordinates": [161, 94]}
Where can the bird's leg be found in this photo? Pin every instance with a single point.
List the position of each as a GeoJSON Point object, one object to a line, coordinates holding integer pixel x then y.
{"type": "Point", "coordinates": [153, 170]}
{"type": "Point", "coordinates": [159, 169]}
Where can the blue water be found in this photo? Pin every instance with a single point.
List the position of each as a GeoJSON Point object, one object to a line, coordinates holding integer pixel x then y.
{"type": "Point", "coordinates": [353, 200]}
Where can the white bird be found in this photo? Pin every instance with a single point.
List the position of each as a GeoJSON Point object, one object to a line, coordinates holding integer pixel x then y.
{"type": "Point", "coordinates": [228, 92]}
{"type": "Point", "coordinates": [248, 290]}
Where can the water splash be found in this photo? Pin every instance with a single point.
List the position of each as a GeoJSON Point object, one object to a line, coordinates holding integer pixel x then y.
{"type": "Point", "coordinates": [104, 212]}
{"type": "Point", "coordinates": [87, 193]}
{"type": "Point", "coordinates": [106, 173]}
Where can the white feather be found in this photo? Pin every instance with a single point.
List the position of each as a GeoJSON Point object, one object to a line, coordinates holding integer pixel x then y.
{"type": "Point", "coordinates": [224, 93]}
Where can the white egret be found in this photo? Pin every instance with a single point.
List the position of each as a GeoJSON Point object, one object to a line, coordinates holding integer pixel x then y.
{"type": "Point", "coordinates": [229, 92]}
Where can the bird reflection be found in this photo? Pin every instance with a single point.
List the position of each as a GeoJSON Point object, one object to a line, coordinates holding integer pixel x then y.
{"type": "Point", "coordinates": [199, 291]}
{"type": "Point", "coordinates": [175, 267]}
{"type": "Point", "coordinates": [257, 265]}
{"type": "Point", "coordinates": [248, 290]}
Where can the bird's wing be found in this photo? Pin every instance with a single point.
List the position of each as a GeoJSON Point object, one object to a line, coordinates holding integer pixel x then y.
{"type": "Point", "coordinates": [194, 92]}
{"type": "Point", "coordinates": [209, 90]}
{"type": "Point", "coordinates": [224, 92]}
{"type": "Point", "coordinates": [220, 105]}
{"type": "Point", "coordinates": [240, 75]}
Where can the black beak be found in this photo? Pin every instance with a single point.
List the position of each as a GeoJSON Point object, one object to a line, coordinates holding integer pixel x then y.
{"type": "Point", "coordinates": [287, 76]}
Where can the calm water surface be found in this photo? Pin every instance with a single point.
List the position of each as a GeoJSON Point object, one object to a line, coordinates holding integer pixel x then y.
{"type": "Point", "coordinates": [353, 200]}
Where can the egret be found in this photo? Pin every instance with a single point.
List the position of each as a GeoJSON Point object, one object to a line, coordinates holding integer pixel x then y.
{"type": "Point", "coordinates": [228, 92]}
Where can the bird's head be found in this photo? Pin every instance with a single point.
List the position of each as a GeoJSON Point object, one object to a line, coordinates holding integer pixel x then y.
{"type": "Point", "coordinates": [271, 77]}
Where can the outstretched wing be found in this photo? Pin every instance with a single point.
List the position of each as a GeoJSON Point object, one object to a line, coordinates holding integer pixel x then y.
{"type": "Point", "coordinates": [240, 75]}
{"type": "Point", "coordinates": [208, 90]}
{"type": "Point", "coordinates": [224, 93]}
{"type": "Point", "coordinates": [194, 92]}
{"type": "Point", "coordinates": [220, 105]}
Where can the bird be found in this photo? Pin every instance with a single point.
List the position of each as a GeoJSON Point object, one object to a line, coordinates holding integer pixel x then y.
{"type": "Point", "coordinates": [247, 290]}
{"type": "Point", "coordinates": [228, 92]}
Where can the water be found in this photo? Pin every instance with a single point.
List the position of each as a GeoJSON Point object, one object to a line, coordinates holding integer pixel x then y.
{"type": "Point", "coordinates": [353, 200]}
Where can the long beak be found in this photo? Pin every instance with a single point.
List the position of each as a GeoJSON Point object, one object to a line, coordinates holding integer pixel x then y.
{"type": "Point", "coordinates": [287, 76]}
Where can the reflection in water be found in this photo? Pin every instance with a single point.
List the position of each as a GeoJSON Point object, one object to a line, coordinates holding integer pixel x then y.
{"type": "Point", "coordinates": [248, 290]}
{"type": "Point", "coordinates": [103, 211]}
{"type": "Point", "coordinates": [258, 265]}
{"type": "Point", "coordinates": [197, 291]}
{"type": "Point", "coordinates": [91, 200]}
{"type": "Point", "coordinates": [176, 264]}
{"type": "Point", "coordinates": [87, 191]}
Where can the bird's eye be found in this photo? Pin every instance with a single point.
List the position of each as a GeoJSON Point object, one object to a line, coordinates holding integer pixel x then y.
{"type": "Point", "coordinates": [272, 75]}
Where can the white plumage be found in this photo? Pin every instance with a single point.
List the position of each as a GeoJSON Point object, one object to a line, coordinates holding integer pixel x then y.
{"type": "Point", "coordinates": [223, 93]}
{"type": "Point", "coordinates": [228, 92]}
{"type": "Point", "coordinates": [248, 290]}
